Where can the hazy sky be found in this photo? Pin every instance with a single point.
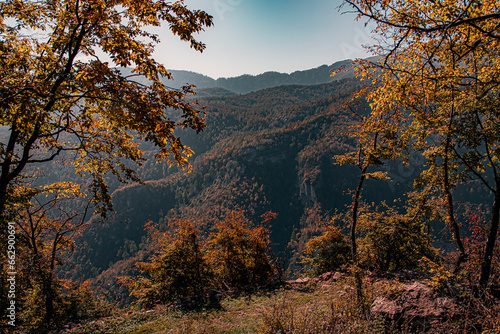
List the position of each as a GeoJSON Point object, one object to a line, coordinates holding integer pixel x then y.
{"type": "Point", "coordinates": [255, 36]}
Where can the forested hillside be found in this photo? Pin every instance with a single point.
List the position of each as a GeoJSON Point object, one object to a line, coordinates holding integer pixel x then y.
{"type": "Point", "coordinates": [363, 196]}
{"type": "Point", "coordinates": [267, 150]}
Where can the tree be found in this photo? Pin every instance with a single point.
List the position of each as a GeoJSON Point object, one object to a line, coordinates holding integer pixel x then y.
{"type": "Point", "coordinates": [47, 230]}
{"type": "Point", "coordinates": [370, 151]}
{"type": "Point", "coordinates": [436, 91]}
{"type": "Point", "coordinates": [60, 94]}
{"type": "Point", "coordinates": [393, 241]}
{"type": "Point", "coordinates": [240, 253]}
{"type": "Point", "coordinates": [326, 252]}
{"type": "Point", "coordinates": [179, 268]}
{"type": "Point", "coordinates": [187, 263]}
{"type": "Point", "coordinates": [66, 97]}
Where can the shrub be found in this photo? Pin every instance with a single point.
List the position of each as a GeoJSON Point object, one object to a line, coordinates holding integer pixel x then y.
{"type": "Point", "coordinates": [72, 303]}
{"type": "Point", "coordinates": [393, 241]}
{"type": "Point", "coordinates": [240, 253]}
{"type": "Point", "coordinates": [236, 254]}
{"type": "Point", "coordinates": [475, 242]}
{"type": "Point", "coordinates": [327, 252]}
{"type": "Point", "coordinates": [179, 269]}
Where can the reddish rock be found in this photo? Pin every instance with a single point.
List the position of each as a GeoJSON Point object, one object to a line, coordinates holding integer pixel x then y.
{"type": "Point", "coordinates": [303, 280]}
{"type": "Point", "coordinates": [418, 307]}
{"type": "Point", "coordinates": [298, 283]}
{"type": "Point", "coordinates": [330, 276]}
{"type": "Point", "coordinates": [387, 307]}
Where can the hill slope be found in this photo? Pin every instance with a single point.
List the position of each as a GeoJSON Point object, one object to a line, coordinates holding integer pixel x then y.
{"type": "Point", "coordinates": [267, 150]}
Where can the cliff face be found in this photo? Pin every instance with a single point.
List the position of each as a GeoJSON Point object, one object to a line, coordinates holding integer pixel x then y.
{"type": "Point", "coordinates": [307, 194]}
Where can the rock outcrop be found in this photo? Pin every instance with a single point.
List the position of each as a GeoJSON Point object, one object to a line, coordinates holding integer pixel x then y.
{"type": "Point", "coordinates": [416, 309]}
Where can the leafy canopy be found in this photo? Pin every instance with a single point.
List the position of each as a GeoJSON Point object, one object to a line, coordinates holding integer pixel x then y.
{"type": "Point", "coordinates": [436, 91]}
{"type": "Point", "coordinates": [63, 93]}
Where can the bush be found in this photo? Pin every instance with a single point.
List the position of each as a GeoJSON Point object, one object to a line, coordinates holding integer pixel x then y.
{"type": "Point", "coordinates": [72, 303]}
{"type": "Point", "coordinates": [392, 241]}
{"type": "Point", "coordinates": [240, 253]}
{"type": "Point", "coordinates": [179, 270]}
{"type": "Point", "coordinates": [477, 229]}
{"type": "Point", "coordinates": [234, 255]}
{"type": "Point", "coordinates": [327, 252]}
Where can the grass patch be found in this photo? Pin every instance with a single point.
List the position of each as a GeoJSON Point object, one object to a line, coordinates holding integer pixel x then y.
{"type": "Point", "coordinates": [324, 307]}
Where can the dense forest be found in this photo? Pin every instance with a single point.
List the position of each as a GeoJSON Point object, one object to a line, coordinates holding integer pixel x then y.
{"type": "Point", "coordinates": [271, 150]}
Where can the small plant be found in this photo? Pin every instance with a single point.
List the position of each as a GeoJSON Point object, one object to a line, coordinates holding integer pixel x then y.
{"type": "Point", "coordinates": [441, 279]}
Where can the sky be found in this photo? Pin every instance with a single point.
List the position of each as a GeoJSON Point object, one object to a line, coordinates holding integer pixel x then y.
{"type": "Point", "coordinates": [255, 36]}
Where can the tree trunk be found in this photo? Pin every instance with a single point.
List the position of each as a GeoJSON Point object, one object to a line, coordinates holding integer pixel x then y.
{"type": "Point", "coordinates": [49, 304]}
{"type": "Point", "coordinates": [490, 243]}
{"type": "Point", "coordinates": [357, 271]}
{"type": "Point", "coordinates": [456, 230]}
{"type": "Point", "coordinates": [449, 197]}
{"type": "Point", "coordinates": [5, 170]}
{"type": "Point", "coordinates": [355, 205]}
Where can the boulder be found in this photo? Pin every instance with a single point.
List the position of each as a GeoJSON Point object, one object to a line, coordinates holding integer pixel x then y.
{"type": "Point", "coordinates": [417, 308]}
{"type": "Point", "coordinates": [330, 276]}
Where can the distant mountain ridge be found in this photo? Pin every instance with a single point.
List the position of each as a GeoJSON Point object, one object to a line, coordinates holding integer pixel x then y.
{"type": "Point", "coordinates": [249, 83]}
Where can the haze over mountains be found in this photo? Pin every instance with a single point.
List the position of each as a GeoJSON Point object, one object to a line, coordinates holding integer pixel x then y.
{"type": "Point", "coordinates": [250, 83]}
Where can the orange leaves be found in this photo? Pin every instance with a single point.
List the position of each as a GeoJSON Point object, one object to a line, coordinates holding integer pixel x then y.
{"type": "Point", "coordinates": [327, 252]}
{"type": "Point", "coordinates": [55, 86]}
{"type": "Point", "coordinates": [437, 88]}
{"type": "Point", "coordinates": [62, 101]}
{"type": "Point", "coordinates": [240, 252]}
{"type": "Point", "coordinates": [235, 254]}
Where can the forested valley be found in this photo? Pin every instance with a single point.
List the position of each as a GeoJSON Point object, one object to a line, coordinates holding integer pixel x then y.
{"type": "Point", "coordinates": [357, 197]}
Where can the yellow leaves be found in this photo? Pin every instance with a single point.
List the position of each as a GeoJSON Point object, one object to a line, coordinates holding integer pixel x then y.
{"type": "Point", "coordinates": [64, 189]}
{"type": "Point", "coordinates": [59, 97]}
{"type": "Point", "coordinates": [378, 175]}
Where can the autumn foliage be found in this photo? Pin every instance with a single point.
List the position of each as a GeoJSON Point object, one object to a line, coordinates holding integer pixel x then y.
{"type": "Point", "coordinates": [475, 238]}
{"type": "Point", "coordinates": [179, 269]}
{"type": "Point", "coordinates": [67, 98]}
{"type": "Point", "coordinates": [189, 263]}
{"type": "Point", "coordinates": [240, 252]}
{"type": "Point", "coordinates": [434, 91]}
{"type": "Point", "coordinates": [329, 251]}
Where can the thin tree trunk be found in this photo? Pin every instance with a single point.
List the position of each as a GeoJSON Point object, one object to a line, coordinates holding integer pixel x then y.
{"type": "Point", "coordinates": [354, 221]}
{"type": "Point", "coordinates": [449, 197]}
{"type": "Point", "coordinates": [357, 271]}
{"type": "Point", "coordinates": [490, 243]}
{"type": "Point", "coordinates": [455, 228]}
